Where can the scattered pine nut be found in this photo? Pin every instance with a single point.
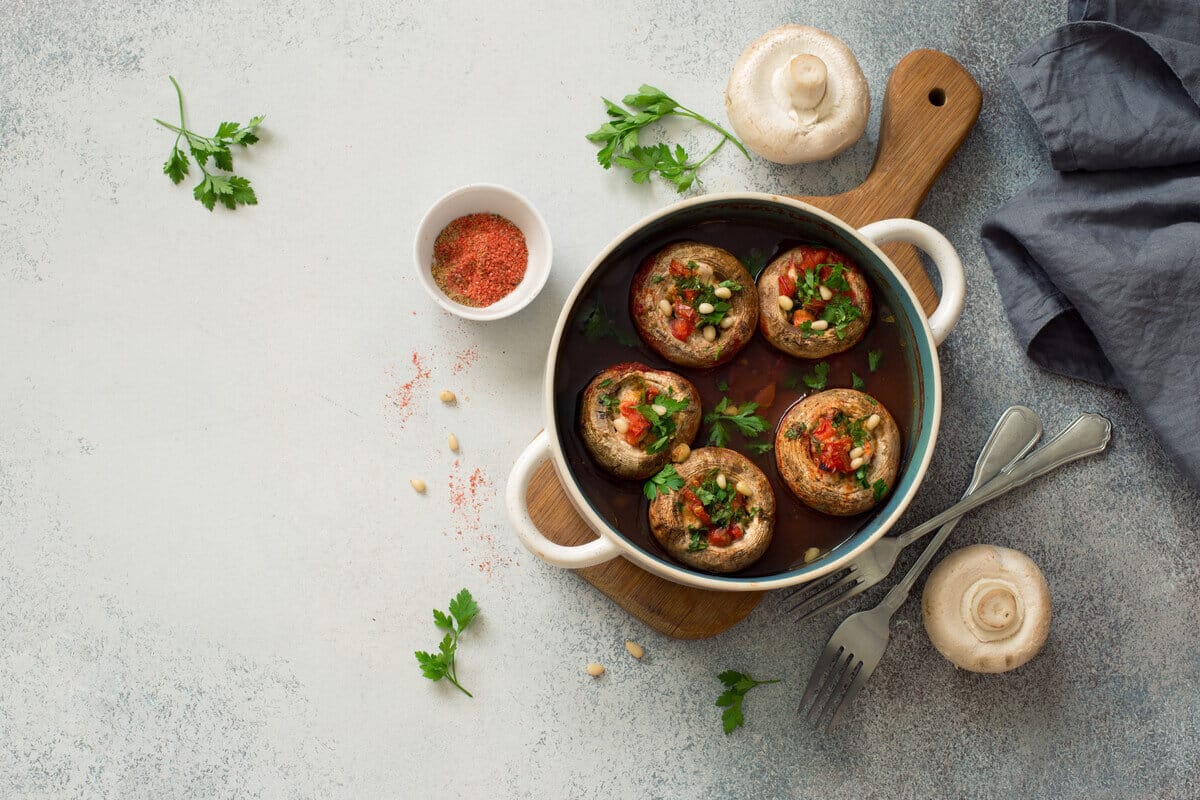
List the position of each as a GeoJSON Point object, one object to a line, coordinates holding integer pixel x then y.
{"type": "Point", "coordinates": [810, 555]}
{"type": "Point", "coordinates": [418, 484]}
{"type": "Point", "coordinates": [446, 396]}
{"type": "Point", "coordinates": [872, 422]}
{"type": "Point", "coordinates": [635, 649]}
{"type": "Point", "coordinates": [595, 669]}
{"type": "Point", "coordinates": [452, 443]}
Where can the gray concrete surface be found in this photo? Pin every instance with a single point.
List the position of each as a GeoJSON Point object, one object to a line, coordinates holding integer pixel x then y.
{"type": "Point", "coordinates": [213, 572]}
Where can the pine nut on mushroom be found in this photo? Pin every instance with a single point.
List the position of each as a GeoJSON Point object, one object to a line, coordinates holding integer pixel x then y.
{"type": "Point", "coordinates": [665, 307]}
{"type": "Point", "coordinates": [595, 669]}
{"type": "Point", "coordinates": [417, 484]}
{"type": "Point", "coordinates": [452, 443]}
{"type": "Point", "coordinates": [620, 425]}
{"type": "Point", "coordinates": [856, 463]}
{"type": "Point", "coordinates": [723, 292]}
{"type": "Point", "coordinates": [446, 396]}
{"type": "Point", "coordinates": [721, 480]}
{"type": "Point", "coordinates": [872, 422]}
{"type": "Point", "coordinates": [705, 308]}
{"type": "Point", "coordinates": [635, 649]}
{"type": "Point", "coordinates": [709, 333]}
{"type": "Point", "coordinates": [743, 488]}
{"type": "Point", "coordinates": [826, 293]}
{"type": "Point", "coordinates": [661, 410]}
{"type": "Point", "coordinates": [856, 452]}
{"type": "Point", "coordinates": [820, 325]}
{"type": "Point", "coordinates": [785, 302]}
{"type": "Point", "coordinates": [726, 323]}
{"type": "Point", "coordinates": [680, 453]}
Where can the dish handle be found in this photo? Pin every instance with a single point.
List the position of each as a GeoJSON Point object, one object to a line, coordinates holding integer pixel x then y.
{"type": "Point", "coordinates": [515, 498]}
{"type": "Point", "coordinates": [938, 248]}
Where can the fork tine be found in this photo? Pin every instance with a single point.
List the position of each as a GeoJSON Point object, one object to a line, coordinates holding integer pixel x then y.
{"type": "Point", "coordinates": [808, 589]}
{"type": "Point", "coordinates": [814, 681]}
{"type": "Point", "coordinates": [853, 591]}
{"type": "Point", "coordinates": [860, 679]}
{"type": "Point", "coordinates": [833, 690]}
{"type": "Point", "coordinates": [833, 590]}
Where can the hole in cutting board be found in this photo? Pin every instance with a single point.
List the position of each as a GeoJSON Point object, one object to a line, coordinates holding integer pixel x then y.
{"type": "Point", "coordinates": [937, 97]}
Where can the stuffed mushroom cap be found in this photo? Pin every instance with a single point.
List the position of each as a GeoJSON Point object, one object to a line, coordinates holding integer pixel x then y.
{"type": "Point", "coordinates": [722, 518]}
{"type": "Point", "coordinates": [813, 302]}
{"type": "Point", "coordinates": [632, 416]}
{"type": "Point", "coordinates": [839, 451]}
{"type": "Point", "coordinates": [694, 304]}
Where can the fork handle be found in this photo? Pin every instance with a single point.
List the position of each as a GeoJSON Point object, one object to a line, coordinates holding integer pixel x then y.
{"type": "Point", "coordinates": [1086, 436]}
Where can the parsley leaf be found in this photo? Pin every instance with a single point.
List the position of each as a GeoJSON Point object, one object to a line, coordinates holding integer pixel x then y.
{"type": "Point", "coordinates": [698, 540]}
{"type": "Point", "coordinates": [662, 425]}
{"type": "Point", "coordinates": [745, 420]}
{"type": "Point", "coordinates": [818, 378]}
{"type": "Point", "coordinates": [463, 609]}
{"type": "Point", "coordinates": [861, 475]}
{"type": "Point", "coordinates": [880, 488]}
{"type": "Point", "coordinates": [722, 386]}
{"type": "Point", "coordinates": [857, 382]}
{"type": "Point", "coordinates": [667, 480]}
{"type": "Point", "coordinates": [736, 685]}
{"type": "Point", "coordinates": [795, 431]}
{"type": "Point", "coordinates": [596, 324]}
{"type": "Point", "coordinates": [760, 447]}
{"type": "Point", "coordinates": [230, 191]}
{"type": "Point", "coordinates": [620, 145]}
{"type": "Point", "coordinates": [873, 359]}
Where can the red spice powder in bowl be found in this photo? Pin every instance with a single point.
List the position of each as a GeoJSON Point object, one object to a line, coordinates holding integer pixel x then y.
{"type": "Point", "coordinates": [483, 252]}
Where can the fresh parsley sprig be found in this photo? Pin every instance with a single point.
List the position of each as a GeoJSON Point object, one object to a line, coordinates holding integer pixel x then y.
{"type": "Point", "coordinates": [619, 137]}
{"type": "Point", "coordinates": [667, 480]}
{"type": "Point", "coordinates": [819, 377]}
{"type": "Point", "coordinates": [736, 685]}
{"type": "Point", "coordinates": [745, 420]}
{"type": "Point", "coordinates": [230, 190]}
{"type": "Point", "coordinates": [463, 609]}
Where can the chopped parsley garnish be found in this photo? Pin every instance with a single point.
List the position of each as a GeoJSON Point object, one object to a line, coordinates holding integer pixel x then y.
{"type": "Point", "coordinates": [720, 503]}
{"type": "Point", "coordinates": [705, 292]}
{"type": "Point", "coordinates": [760, 447]}
{"type": "Point", "coordinates": [880, 489]}
{"type": "Point", "coordinates": [745, 420]}
{"type": "Point", "coordinates": [662, 426]}
{"type": "Point", "coordinates": [722, 386]}
{"type": "Point", "coordinates": [856, 382]}
{"type": "Point", "coordinates": [795, 431]}
{"type": "Point", "coordinates": [698, 540]}
{"type": "Point", "coordinates": [667, 480]}
{"type": "Point", "coordinates": [818, 378]}
{"type": "Point", "coordinates": [873, 359]}
{"type": "Point", "coordinates": [861, 475]}
{"type": "Point", "coordinates": [839, 311]}
{"type": "Point", "coordinates": [607, 382]}
{"type": "Point", "coordinates": [609, 400]}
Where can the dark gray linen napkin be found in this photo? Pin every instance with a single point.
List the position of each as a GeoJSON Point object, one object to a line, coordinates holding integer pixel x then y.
{"type": "Point", "coordinates": [1098, 263]}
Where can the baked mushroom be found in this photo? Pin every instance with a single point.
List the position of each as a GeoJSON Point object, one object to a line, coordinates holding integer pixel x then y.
{"type": "Point", "coordinates": [721, 518]}
{"type": "Point", "coordinates": [694, 304]}
{"type": "Point", "coordinates": [987, 608]}
{"type": "Point", "coordinates": [632, 416]}
{"type": "Point", "coordinates": [813, 302]}
{"type": "Point", "coordinates": [797, 94]}
{"type": "Point", "coordinates": [839, 451]}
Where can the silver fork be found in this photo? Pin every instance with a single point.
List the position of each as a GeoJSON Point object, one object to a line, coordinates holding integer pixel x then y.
{"type": "Point", "coordinates": [856, 647]}
{"type": "Point", "coordinates": [1017, 430]}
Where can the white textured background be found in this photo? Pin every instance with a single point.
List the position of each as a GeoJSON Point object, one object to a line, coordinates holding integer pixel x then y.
{"type": "Point", "coordinates": [213, 572]}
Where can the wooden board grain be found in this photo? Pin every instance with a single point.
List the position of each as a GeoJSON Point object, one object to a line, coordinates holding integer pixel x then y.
{"type": "Point", "coordinates": [930, 105]}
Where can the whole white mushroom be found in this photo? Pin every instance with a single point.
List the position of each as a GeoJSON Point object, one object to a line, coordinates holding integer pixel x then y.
{"type": "Point", "coordinates": [987, 608]}
{"type": "Point", "coordinates": [797, 94]}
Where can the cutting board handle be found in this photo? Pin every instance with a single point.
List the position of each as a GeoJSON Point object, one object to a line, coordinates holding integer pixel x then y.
{"type": "Point", "coordinates": [929, 107]}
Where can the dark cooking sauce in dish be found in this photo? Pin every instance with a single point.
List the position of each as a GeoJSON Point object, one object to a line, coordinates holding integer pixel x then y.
{"type": "Point", "coordinates": [602, 334]}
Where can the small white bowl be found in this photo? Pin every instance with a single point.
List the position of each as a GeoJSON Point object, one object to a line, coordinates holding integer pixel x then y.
{"type": "Point", "coordinates": [476, 198]}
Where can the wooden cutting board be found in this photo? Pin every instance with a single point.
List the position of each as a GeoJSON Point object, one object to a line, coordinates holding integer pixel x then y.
{"type": "Point", "coordinates": [930, 105]}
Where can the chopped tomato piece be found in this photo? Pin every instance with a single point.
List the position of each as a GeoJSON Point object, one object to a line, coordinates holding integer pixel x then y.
{"type": "Point", "coordinates": [720, 538]}
{"type": "Point", "coordinates": [679, 269]}
{"type": "Point", "coordinates": [834, 455]}
{"type": "Point", "coordinates": [638, 425]}
{"type": "Point", "coordinates": [787, 285]}
{"type": "Point", "coordinates": [684, 322]}
{"type": "Point", "coordinates": [736, 532]}
{"type": "Point", "coordinates": [695, 506]}
{"type": "Point", "coordinates": [690, 295]}
{"type": "Point", "coordinates": [651, 393]}
{"type": "Point", "coordinates": [800, 316]}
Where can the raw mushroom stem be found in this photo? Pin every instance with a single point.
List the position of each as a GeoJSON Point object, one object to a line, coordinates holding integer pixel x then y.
{"type": "Point", "coordinates": [993, 609]}
{"type": "Point", "coordinates": [808, 80]}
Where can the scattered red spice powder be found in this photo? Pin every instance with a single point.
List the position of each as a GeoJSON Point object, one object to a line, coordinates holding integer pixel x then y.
{"type": "Point", "coordinates": [465, 359]}
{"type": "Point", "coordinates": [479, 259]}
{"type": "Point", "coordinates": [402, 398]}
{"type": "Point", "coordinates": [469, 497]}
